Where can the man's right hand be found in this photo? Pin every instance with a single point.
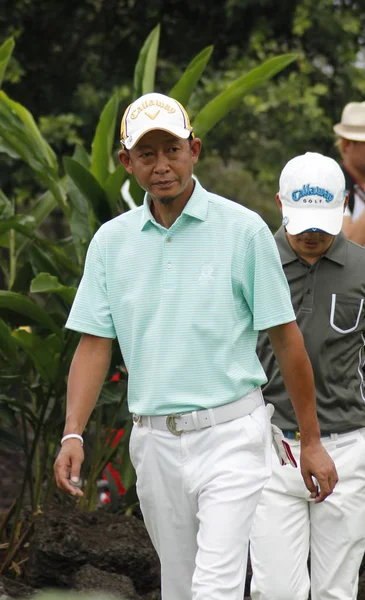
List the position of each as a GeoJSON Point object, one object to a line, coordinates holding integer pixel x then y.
{"type": "Point", "coordinates": [67, 467]}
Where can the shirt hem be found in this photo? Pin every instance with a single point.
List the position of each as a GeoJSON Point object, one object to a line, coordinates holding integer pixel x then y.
{"type": "Point", "coordinates": [90, 330]}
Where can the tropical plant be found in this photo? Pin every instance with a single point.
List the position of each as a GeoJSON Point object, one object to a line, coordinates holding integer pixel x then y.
{"type": "Point", "coordinates": [41, 276]}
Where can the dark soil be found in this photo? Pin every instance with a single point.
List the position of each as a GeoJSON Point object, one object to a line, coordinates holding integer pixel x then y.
{"type": "Point", "coordinates": [99, 551]}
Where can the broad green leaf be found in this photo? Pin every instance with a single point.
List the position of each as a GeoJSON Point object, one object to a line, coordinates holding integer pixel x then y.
{"type": "Point", "coordinates": [44, 352]}
{"type": "Point", "coordinates": [23, 276]}
{"type": "Point", "coordinates": [6, 212]}
{"type": "Point", "coordinates": [136, 191]}
{"type": "Point", "coordinates": [19, 129]}
{"type": "Point", "coordinates": [45, 205]}
{"type": "Point", "coordinates": [90, 188]}
{"type": "Point", "coordinates": [82, 221]}
{"type": "Point", "coordinates": [6, 50]}
{"type": "Point", "coordinates": [7, 344]}
{"type": "Point", "coordinates": [183, 89]}
{"type": "Point", "coordinates": [113, 187]}
{"type": "Point", "coordinates": [6, 379]}
{"type": "Point", "coordinates": [19, 304]}
{"type": "Point", "coordinates": [81, 156]}
{"type": "Point", "coordinates": [18, 224]}
{"type": "Point", "coordinates": [104, 140]}
{"type": "Point", "coordinates": [6, 207]}
{"type": "Point", "coordinates": [63, 260]}
{"type": "Point", "coordinates": [6, 148]}
{"type": "Point", "coordinates": [23, 225]}
{"type": "Point", "coordinates": [220, 106]}
{"type": "Point", "coordinates": [42, 262]}
{"type": "Point", "coordinates": [45, 283]}
{"type": "Point", "coordinates": [145, 69]}
{"type": "Point", "coordinates": [56, 250]}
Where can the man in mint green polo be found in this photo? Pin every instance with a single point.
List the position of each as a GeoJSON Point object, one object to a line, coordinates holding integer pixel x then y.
{"type": "Point", "coordinates": [326, 275]}
{"type": "Point", "coordinates": [185, 282]}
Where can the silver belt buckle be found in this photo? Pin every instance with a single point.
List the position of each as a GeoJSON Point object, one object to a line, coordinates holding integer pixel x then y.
{"type": "Point", "coordinates": [137, 420]}
{"type": "Point", "coordinates": [171, 424]}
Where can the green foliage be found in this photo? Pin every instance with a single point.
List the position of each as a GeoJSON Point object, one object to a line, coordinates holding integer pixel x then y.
{"type": "Point", "coordinates": [104, 141]}
{"type": "Point", "coordinates": [183, 89]}
{"type": "Point", "coordinates": [220, 106]}
{"type": "Point", "coordinates": [6, 51]}
{"type": "Point", "coordinates": [144, 73]}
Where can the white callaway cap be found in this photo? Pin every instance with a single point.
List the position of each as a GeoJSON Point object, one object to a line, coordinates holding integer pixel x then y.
{"type": "Point", "coordinates": [312, 191]}
{"type": "Point", "coordinates": [153, 111]}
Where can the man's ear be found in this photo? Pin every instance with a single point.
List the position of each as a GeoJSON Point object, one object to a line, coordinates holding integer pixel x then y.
{"type": "Point", "coordinates": [346, 201]}
{"type": "Point", "coordinates": [125, 159]}
{"type": "Point", "coordinates": [278, 201]}
{"type": "Point", "coordinates": [195, 146]}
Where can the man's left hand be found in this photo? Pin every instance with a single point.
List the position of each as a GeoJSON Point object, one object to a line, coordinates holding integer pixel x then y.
{"type": "Point", "coordinates": [315, 462]}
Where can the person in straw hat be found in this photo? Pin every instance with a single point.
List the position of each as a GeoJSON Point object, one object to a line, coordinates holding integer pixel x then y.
{"type": "Point", "coordinates": [351, 145]}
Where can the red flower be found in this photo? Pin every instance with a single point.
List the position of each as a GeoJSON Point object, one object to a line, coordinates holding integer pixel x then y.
{"type": "Point", "coordinates": [115, 377]}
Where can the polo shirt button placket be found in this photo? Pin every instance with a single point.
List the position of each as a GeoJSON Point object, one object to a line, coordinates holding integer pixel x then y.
{"type": "Point", "coordinates": [169, 283]}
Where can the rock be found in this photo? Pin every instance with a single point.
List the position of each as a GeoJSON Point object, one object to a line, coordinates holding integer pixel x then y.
{"type": "Point", "coordinates": [13, 588]}
{"type": "Point", "coordinates": [64, 541]}
{"type": "Point", "coordinates": [91, 579]}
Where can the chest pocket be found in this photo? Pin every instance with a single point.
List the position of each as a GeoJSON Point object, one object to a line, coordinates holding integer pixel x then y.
{"type": "Point", "coordinates": [345, 313]}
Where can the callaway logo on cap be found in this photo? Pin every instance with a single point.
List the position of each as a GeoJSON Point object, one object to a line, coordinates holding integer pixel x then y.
{"type": "Point", "coordinates": [312, 192]}
{"type": "Point", "coordinates": [153, 111]}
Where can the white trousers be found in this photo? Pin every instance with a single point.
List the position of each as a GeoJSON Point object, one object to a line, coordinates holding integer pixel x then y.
{"type": "Point", "coordinates": [198, 493]}
{"type": "Point", "coordinates": [288, 528]}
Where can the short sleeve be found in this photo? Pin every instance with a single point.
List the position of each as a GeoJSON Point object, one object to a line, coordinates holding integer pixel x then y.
{"type": "Point", "coordinates": [90, 311]}
{"type": "Point", "coordinates": [264, 284]}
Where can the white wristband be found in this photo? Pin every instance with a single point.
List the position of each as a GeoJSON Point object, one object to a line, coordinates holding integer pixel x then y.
{"type": "Point", "coordinates": [69, 436]}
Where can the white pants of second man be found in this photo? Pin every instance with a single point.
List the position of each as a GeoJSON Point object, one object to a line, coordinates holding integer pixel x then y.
{"type": "Point", "coordinates": [288, 528]}
{"type": "Point", "coordinates": [198, 493]}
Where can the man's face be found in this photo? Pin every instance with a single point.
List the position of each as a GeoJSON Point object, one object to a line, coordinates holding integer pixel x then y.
{"type": "Point", "coordinates": [310, 245]}
{"type": "Point", "coordinates": [163, 165]}
{"type": "Point", "coordinates": [355, 155]}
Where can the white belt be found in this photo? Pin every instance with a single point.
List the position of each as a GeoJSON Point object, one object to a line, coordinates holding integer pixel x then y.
{"type": "Point", "coordinates": [199, 419]}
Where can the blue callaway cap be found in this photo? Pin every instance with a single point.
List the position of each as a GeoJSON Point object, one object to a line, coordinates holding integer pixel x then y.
{"type": "Point", "coordinates": [312, 191]}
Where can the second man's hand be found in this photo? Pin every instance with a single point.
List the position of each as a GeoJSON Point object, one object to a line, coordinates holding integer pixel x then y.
{"type": "Point", "coordinates": [316, 463]}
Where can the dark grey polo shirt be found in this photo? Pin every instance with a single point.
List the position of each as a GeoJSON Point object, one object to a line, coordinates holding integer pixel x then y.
{"type": "Point", "coordinates": [329, 301]}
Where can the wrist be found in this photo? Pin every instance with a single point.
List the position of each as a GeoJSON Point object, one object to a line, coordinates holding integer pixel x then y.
{"type": "Point", "coordinates": [71, 436]}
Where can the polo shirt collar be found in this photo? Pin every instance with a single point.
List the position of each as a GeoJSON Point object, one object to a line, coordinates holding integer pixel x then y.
{"type": "Point", "coordinates": [337, 252]}
{"type": "Point", "coordinates": [196, 207]}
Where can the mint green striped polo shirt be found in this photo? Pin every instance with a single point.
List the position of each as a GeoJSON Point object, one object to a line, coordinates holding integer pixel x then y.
{"type": "Point", "coordinates": [186, 303]}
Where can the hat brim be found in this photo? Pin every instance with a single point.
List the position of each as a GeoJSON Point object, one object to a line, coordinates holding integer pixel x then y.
{"type": "Point", "coordinates": [327, 219]}
{"type": "Point", "coordinates": [178, 132]}
{"type": "Point", "coordinates": [350, 133]}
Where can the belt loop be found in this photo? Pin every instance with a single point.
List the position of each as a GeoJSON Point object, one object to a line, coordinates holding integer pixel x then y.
{"type": "Point", "coordinates": [149, 423]}
{"type": "Point", "coordinates": [334, 436]}
{"type": "Point", "coordinates": [211, 417]}
{"type": "Point", "coordinates": [194, 416]}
